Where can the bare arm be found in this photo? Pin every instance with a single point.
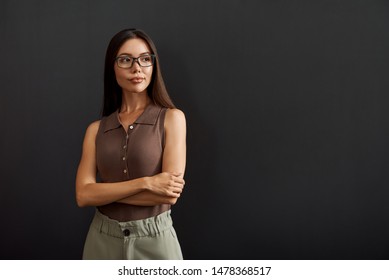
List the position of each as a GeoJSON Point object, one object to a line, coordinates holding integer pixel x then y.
{"type": "Point", "coordinates": [90, 193]}
{"type": "Point", "coordinates": [147, 198]}
{"type": "Point", "coordinates": [174, 159]}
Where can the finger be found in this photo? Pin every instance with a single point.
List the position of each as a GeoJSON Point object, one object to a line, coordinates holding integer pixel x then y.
{"type": "Point", "coordinates": [178, 185]}
{"type": "Point", "coordinates": [179, 180]}
{"type": "Point", "coordinates": [176, 174]}
{"type": "Point", "coordinates": [174, 194]}
{"type": "Point", "coordinates": [177, 190]}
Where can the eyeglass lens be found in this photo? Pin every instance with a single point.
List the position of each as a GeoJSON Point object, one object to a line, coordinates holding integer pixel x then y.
{"type": "Point", "coordinates": [128, 61]}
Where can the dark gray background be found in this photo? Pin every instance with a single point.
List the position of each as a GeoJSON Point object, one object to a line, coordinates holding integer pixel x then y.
{"type": "Point", "coordinates": [286, 104]}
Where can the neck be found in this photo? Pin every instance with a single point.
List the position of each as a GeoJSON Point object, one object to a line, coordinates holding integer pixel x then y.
{"type": "Point", "coordinates": [134, 101]}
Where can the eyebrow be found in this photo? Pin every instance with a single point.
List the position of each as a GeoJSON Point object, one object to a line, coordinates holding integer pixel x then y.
{"type": "Point", "coordinates": [127, 54]}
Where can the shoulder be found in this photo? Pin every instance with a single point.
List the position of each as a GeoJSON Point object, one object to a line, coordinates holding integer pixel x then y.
{"type": "Point", "coordinates": [174, 117]}
{"type": "Point", "coordinates": [94, 126]}
{"type": "Point", "coordinates": [175, 124]}
{"type": "Point", "coordinates": [92, 130]}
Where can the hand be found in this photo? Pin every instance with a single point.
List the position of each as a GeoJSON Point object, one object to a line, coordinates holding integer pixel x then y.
{"type": "Point", "coordinates": [166, 184]}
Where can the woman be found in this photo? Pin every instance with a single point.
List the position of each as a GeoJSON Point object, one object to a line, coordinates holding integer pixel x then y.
{"type": "Point", "coordinates": [138, 149]}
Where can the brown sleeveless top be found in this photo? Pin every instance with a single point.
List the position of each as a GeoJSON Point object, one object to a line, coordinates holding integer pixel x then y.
{"type": "Point", "coordinates": [122, 156]}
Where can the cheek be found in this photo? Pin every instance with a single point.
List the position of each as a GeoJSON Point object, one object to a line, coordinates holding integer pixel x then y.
{"type": "Point", "coordinates": [148, 71]}
{"type": "Point", "coordinates": [120, 77]}
{"type": "Point", "coordinates": [118, 73]}
{"type": "Point", "coordinates": [149, 75]}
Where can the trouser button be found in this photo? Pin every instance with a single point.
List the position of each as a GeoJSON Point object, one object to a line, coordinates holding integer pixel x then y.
{"type": "Point", "coordinates": [126, 232]}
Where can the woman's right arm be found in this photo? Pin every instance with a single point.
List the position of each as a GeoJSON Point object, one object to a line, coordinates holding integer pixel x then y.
{"type": "Point", "coordinates": [90, 193]}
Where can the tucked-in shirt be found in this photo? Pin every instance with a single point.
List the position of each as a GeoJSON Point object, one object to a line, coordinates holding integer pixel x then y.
{"type": "Point", "coordinates": [122, 156]}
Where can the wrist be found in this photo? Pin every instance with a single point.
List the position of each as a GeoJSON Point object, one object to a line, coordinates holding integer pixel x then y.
{"type": "Point", "coordinates": [147, 183]}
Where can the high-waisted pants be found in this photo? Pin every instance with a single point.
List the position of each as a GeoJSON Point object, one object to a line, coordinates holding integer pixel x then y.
{"type": "Point", "coordinates": [148, 239]}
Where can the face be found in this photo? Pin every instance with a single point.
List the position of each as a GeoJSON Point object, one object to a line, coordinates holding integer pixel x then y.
{"type": "Point", "coordinates": [137, 78]}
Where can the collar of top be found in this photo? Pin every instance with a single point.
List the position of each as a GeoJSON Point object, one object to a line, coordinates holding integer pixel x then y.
{"type": "Point", "coordinates": [149, 117]}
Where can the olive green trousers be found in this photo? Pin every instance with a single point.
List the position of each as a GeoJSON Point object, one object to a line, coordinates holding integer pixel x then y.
{"type": "Point", "coordinates": [148, 239]}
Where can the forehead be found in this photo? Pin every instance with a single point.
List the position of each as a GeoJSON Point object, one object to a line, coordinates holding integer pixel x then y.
{"type": "Point", "coordinates": [134, 47]}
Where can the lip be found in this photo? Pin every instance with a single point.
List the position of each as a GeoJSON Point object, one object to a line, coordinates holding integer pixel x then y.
{"type": "Point", "coordinates": [137, 79]}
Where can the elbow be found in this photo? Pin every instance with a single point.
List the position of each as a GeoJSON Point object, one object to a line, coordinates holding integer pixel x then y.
{"type": "Point", "coordinates": [81, 200]}
{"type": "Point", "coordinates": [172, 200]}
{"type": "Point", "coordinates": [81, 204]}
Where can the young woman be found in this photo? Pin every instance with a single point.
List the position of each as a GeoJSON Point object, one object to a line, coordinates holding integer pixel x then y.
{"type": "Point", "coordinates": [138, 150]}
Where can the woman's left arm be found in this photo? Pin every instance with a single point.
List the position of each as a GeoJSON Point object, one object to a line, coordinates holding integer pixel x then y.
{"type": "Point", "coordinates": [174, 158]}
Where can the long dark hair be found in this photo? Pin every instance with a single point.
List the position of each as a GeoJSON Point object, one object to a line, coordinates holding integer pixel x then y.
{"type": "Point", "coordinates": [113, 92]}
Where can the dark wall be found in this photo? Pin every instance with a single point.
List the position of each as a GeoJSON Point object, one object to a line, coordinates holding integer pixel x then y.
{"type": "Point", "coordinates": [288, 126]}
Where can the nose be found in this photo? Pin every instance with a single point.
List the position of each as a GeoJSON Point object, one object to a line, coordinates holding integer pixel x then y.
{"type": "Point", "coordinates": [136, 66]}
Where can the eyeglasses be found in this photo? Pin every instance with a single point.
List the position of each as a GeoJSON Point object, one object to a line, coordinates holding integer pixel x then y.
{"type": "Point", "coordinates": [143, 60]}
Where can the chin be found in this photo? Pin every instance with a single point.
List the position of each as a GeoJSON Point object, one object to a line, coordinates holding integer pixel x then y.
{"type": "Point", "coordinates": [137, 90]}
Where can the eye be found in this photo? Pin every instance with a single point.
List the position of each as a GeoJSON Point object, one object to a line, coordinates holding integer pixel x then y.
{"type": "Point", "coordinates": [124, 59]}
{"type": "Point", "coordinates": [145, 58]}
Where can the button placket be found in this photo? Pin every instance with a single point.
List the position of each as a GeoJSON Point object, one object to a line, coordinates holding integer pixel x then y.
{"type": "Point", "coordinates": [124, 155]}
{"type": "Point", "coordinates": [125, 149]}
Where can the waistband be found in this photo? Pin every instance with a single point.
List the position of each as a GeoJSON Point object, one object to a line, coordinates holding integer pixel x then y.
{"type": "Point", "coordinates": [138, 228]}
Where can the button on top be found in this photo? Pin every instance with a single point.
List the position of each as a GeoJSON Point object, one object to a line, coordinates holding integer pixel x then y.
{"type": "Point", "coordinates": [126, 232]}
{"type": "Point", "coordinates": [131, 126]}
